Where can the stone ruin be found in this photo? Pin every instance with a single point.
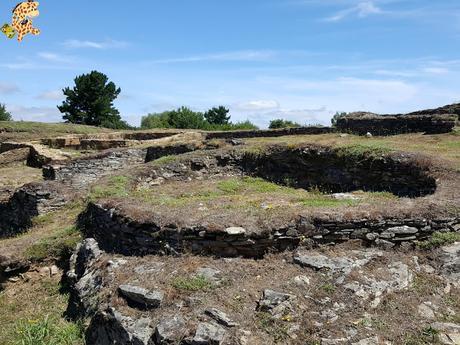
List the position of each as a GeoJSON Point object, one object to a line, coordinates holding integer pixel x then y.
{"type": "Point", "coordinates": [121, 274]}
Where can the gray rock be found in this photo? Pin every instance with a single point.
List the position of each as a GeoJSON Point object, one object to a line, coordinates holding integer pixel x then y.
{"type": "Point", "coordinates": [275, 303]}
{"type": "Point", "coordinates": [449, 332]}
{"type": "Point", "coordinates": [141, 296]}
{"type": "Point", "coordinates": [450, 259]}
{"type": "Point", "coordinates": [210, 274]}
{"type": "Point", "coordinates": [402, 230]}
{"type": "Point", "coordinates": [208, 334]}
{"type": "Point", "coordinates": [383, 244]}
{"type": "Point", "coordinates": [169, 331]}
{"type": "Point", "coordinates": [426, 312]}
{"type": "Point", "coordinates": [221, 317]}
{"type": "Point", "coordinates": [319, 261]}
{"type": "Point", "coordinates": [368, 341]}
{"type": "Point", "coordinates": [111, 327]}
{"type": "Point", "coordinates": [344, 196]}
{"type": "Point", "coordinates": [302, 280]}
{"type": "Point", "coordinates": [235, 231]}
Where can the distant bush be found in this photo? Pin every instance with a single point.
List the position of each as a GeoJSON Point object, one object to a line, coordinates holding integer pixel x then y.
{"type": "Point", "coordinates": [4, 114]}
{"type": "Point", "coordinates": [336, 117]}
{"type": "Point", "coordinates": [185, 118]}
{"type": "Point", "coordinates": [244, 125]}
{"type": "Point", "coordinates": [217, 116]}
{"type": "Point", "coordinates": [280, 123]}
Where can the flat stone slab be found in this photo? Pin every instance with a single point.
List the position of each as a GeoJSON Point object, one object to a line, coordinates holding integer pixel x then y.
{"type": "Point", "coordinates": [170, 330]}
{"type": "Point", "coordinates": [221, 317]}
{"type": "Point", "coordinates": [208, 334]}
{"type": "Point", "coordinates": [144, 297]}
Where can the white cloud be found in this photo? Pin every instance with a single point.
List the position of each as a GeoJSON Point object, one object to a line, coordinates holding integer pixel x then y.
{"type": "Point", "coordinates": [258, 105]}
{"type": "Point", "coordinates": [42, 114]}
{"type": "Point", "coordinates": [7, 88]}
{"type": "Point", "coordinates": [245, 55]}
{"type": "Point", "coordinates": [362, 9]}
{"type": "Point", "coordinates": [54, 95]}
{"type": "Point", "coordinates": [436, 70]}
{"type": "Point", "coordinates": [107, 44]}
{"type": "Point", "coordinates": [53, 57]}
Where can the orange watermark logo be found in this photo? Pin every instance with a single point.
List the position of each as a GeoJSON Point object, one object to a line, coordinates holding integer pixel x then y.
{"type": "Point", "coordinates": [22, 22]}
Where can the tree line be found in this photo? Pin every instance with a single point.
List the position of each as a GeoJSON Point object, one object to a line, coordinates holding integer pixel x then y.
{"type": "Point", "coordinates": [91, 102]}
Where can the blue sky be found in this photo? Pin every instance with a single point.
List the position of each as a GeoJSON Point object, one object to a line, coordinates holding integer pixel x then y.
{"type": "Point", "coordinates": [297, 59]}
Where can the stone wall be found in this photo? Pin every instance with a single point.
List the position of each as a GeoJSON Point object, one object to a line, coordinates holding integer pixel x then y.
{"type": "Point", "coordinates": [155, 152]}
{"type": "Point", "coordinates": [338, 170]}
{"type": "Point", "coordinates": [29, 201]}
{"type": "Point", "coordinates": [269, 132]}
{"type": "Point", "coordinates": [448, 109]}
{"type": "Point", "coordinates": [362, 123]}
{"type": "Point", "coordinates": [119, 234]}
{"type": "Point", "coordinates": [82, 172]}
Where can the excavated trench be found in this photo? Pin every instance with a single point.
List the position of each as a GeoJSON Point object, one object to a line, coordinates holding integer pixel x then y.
{"type": "Point", "coordinates": [140, 230]}
{"type": "Point", "coordinates": [337, 170]}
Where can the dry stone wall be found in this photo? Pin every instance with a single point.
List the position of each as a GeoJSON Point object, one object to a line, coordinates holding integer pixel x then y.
{"type": "Point", "coordinates": [82, 172]}
{"type": "Point", "coordinates": [363, 123]}
{"type": "Point", "coordinates": [29, 201]}
{"type": "Point", "coordinates": [269, 133]}
{"type": "Point", "coordinates": [119, 234]}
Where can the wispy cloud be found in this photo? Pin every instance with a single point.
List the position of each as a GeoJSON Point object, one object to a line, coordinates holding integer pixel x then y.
{"type": "Point", "coordinates": [436, 70]}
{"type": "Point", "coordinates": [246, 55]}
{"type": "Point", "coordinates": [257, 105]}
{"type": "Point", "coordinates": [53, 57]}
{"type": "Point", "coordinates": [362, 9]}
{"type": "Point", "coordinates": [7, 88]}
{"type": "Point", "coordinates": [107, 44]}
{"type": "Point", "coordinates": [33, 113]}
{"type": "Point", "coordinates": [53, 95]}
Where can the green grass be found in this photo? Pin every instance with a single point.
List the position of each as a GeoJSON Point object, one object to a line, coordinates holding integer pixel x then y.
{"type": "Point", "coordinates": [328, 288]}
{"type": "Point", "coordinates": [47, 331]}
{"type": "Point", "coordinates": [371, 150]}
{"type": "Point", "coordinates": [57, 246]}
{"type": "Point", "coordinates": [164, 160]}
{"type": "Point", "coordinates": [426, 336]}
{"type": "Point", "coordinates": [33, 315]}
{"type": "Point", "coordinates": [258, 185]}
{"type": "Point", "coordinates": [116, 187]}
{"type": "Point", "coordinates": [277, 329]}
{"type": "Point", "coordinates": [196, 283]}
{"type": "Point", "coordinates": [49, 128]}
{"type": "Point", "coordinates": [439, 239]}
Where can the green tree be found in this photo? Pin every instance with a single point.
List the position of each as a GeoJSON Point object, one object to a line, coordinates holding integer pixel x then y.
{"type": "Point", "coordinates": [336, 117]}
{"type": "Point", "coordinates": [156, 120]}
{"type": "Point", "coordinates": [4, 114]}
{"type": "Point", "coordinates": [280, 123]}
{"type": "Point", "coordinates": [186, 118]}
{"type": "Point", "coordinates": [90, 102]}
{"type": "Point", "coordinates": [217, 116]}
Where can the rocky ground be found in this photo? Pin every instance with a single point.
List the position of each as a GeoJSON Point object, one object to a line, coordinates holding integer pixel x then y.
{"type": "Point", "coordinates": [334, 295]}
{"type": "Point", "coordinates": [239, 242]}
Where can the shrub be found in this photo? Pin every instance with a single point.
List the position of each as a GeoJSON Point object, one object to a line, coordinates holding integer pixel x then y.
{"type": "Point", "coordinates": [280, 123]}
{"type": "Point", "coordinates": [4, 114]}
{"type": "Point", "coordinates": [198, 283]}
{"type": "Point", "coordinates": [336, 117]}
{"type": "Point", "coordinates": [217, 116]}
{"type": "Point", "coordinates": [185, 118]}
{"type": "Point", "coordinates": [439, 239]}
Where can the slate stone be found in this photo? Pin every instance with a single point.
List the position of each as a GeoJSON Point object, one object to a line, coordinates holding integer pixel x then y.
{"type": "Point", "coordinates": [141, 296]}
{"type": "Point", "coordinates": [169, 331]}
{"type": "Point", "coordinates": [221, 317]}
{"type": "Point", "coordinates": [208, 334]}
